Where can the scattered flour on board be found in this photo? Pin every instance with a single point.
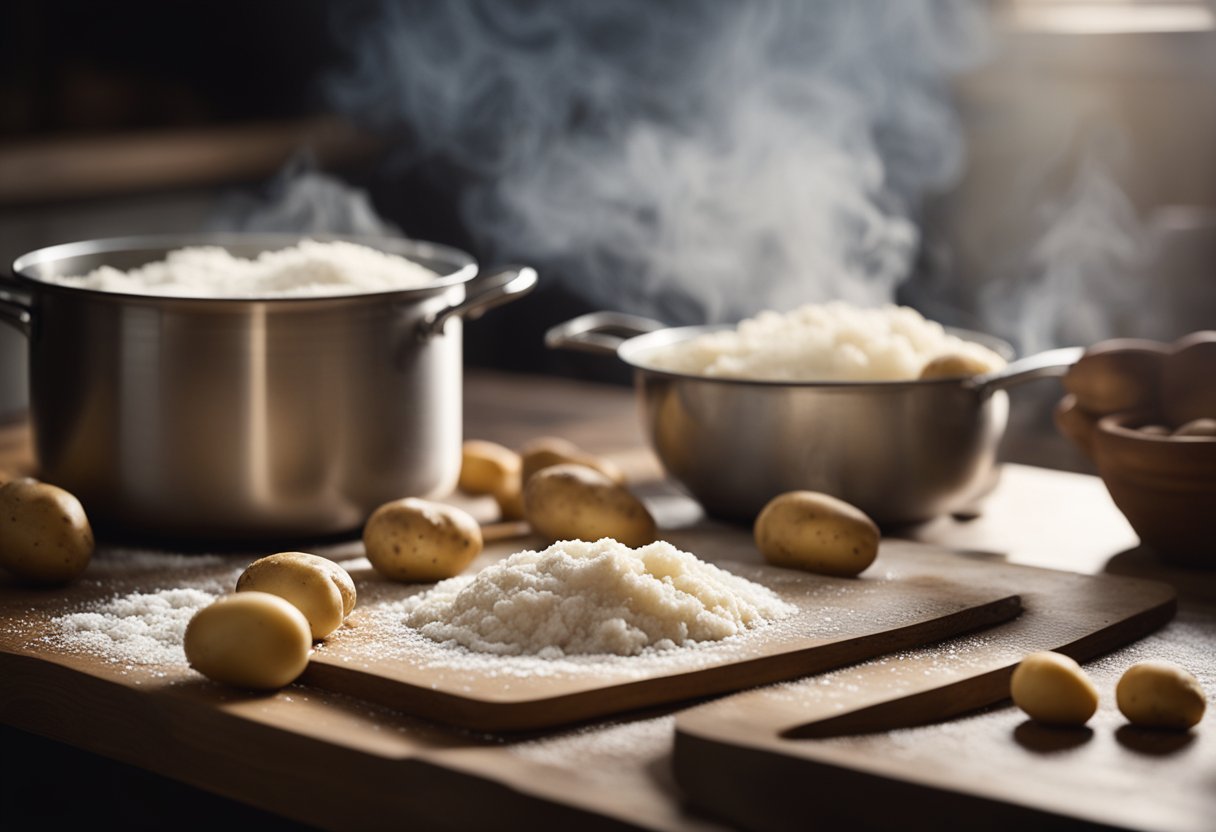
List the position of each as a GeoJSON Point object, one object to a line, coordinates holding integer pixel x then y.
{"type": "Point", "coordinates": [144, 626]}
{"type": "Point", "coordinates": [309, 269]}
{"type": "Point", "coordinates": [138, 628]}
{"type": "Point", "coordinates": [581, 598]}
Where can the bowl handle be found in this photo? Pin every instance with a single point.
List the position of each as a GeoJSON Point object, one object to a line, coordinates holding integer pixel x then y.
{"type": "Point", "coordinates": [598, 332]}
{"type": "Point", "coordinates": [494, 289]}
{"type": "Point", "coordinates": [1048, 364]}
{"type": "Point", "coordinates": [15, 308]}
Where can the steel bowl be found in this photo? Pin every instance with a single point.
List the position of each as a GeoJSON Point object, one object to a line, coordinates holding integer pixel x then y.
{"type": "Point", "coordinates": [221, 419]}
{"type": "Point", "coordinates": [901, 451]}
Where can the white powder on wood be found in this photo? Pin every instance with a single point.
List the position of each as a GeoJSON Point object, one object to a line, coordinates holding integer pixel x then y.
{"type": "Point", "coordinates": [578, 598]}
{"type": "Point", "coordinates": [829, 342]}
{"type": "Point", "coordinates": [138, 628]}
{"type": "Point", "coordinates": [310, 269]}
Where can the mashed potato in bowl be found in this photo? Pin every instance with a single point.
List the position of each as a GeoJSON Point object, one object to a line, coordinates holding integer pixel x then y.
{"type": "Point", "coordinates": [823, 342]}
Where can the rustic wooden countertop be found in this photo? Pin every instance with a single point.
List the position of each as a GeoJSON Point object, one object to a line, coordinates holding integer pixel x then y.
{"type": "Point", "coordinates": [610, 775]}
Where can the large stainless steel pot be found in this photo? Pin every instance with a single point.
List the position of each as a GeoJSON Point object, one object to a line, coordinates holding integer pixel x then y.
{"type": "Point", "coordinates": [900, 451]}
{"type": "Point", "coordinates": [243, 419]}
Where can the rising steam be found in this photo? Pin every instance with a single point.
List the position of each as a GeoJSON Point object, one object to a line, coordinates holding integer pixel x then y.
{"type": "Point", "coordinates": [693, 160]}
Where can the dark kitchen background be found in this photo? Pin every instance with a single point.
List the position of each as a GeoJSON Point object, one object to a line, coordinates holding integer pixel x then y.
{"type": "Point", "coordinates": [1038, 169]}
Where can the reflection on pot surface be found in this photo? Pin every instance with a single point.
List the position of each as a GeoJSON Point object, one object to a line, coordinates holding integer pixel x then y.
{"type": "Point", "coordinates": [223, 419]}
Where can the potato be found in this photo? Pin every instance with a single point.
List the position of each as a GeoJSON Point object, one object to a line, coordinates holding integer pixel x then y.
{"type": "Point", "coordinates": [249, 640]}
{"type": "Point", "coordinates": [550, 450]}
{"type": "Point", "coordinates": [487, 467]}
{"type": "Point", "coordinates": [574, 502]}
{"type": "Point", "coordinates": [417, 540]}
{"type": "Point", "coordinates": [1158, 694]}
{"type": "Point", "coordinates": [1188, 380]}
{"type": "Point", "coordinates": [1117, 375]}
{"type": "Point", "coordinates": [316, 586]}
{"type": "Point", "coordinates": [1075, 423]}
{"type": "Point", "coordinates": [817, 533]}
{"type": "Point", "coordinates": [955, 365]}
{"type": "Point", "coordinates": [1053, 689]}
{"type": "Point", "coordinates": [45, 536]}
{"type": "Point", "coordinates": [1197, 427]}
{"type": "Point", "coordinates": [510, 498]}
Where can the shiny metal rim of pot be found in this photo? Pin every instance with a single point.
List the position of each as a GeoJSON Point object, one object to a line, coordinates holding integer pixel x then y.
{"type": "Point", "coordinates": [240, 419]}
{"type": "Point", "coordinates": [902, 451]}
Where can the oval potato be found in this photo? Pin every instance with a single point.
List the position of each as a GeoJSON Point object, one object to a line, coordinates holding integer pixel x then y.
{"type": "Point", "coordinates": [417, 540]}
{"type": "Point", "coordinates": [1199, 428]}
{"type": "Point", "coordinates": [816, 533]}
{"type": "Point", "coordinates": [1075, 423]}
{"type": "Point", "coordinates": [551, 450]}
{"type": "Point", "coordinates": [45, 536]}
{"type": "Point", "coordinates": [318, 587]}
{"type": "Point", "coordinates": [1053, 689]}
{"type": "Point", "coordinates": [1160, 694]}
{"type": "Point", "coordinates": [1188, 383]}
{"type": "Point", "coordinates": [955, 365]}
{"type": "Point", "coordinates": [1117, 375]}
{"type": "Point", "coordinates": [487, 467]}
{"type": "Point", "coordinates": [249, 640]}
{"type": "Point", "coordinates": [574, 502]}
{"type": "Point", "coordinates": [510, 499]}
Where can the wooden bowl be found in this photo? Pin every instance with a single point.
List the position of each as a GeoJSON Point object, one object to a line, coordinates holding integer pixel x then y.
{"type": "Point", "coordinates": [1164, 485]}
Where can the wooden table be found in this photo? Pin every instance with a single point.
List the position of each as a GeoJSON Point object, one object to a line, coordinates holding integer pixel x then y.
{"type": "Point", "coordinates": [613, 774]}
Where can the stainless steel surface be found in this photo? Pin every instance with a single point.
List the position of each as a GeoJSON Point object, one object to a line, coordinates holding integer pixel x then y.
{"type": "Point", "coordinates": [225, 419]}
{"type": "Point", "coordinates": [15, 310]}
{"type": "Point", "coordinates": [900, 451]}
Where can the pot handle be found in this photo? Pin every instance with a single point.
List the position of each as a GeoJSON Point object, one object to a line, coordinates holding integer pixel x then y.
{"type": "Point", "coordinates": [1048, 364]}
{"type": "Point", "coordinates": [15, 308]}
{"type": "Point", "coordinates": [494, 289]}
{"type": "Point", "coordinates": [598, 332]}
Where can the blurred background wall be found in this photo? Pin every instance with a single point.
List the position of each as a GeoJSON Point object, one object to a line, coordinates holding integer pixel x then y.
{"type": "Point", "coordinates": [1039, 169]}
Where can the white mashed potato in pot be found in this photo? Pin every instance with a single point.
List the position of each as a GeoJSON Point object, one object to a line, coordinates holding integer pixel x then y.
{"type": "Point", "coordinates": [823, 342]}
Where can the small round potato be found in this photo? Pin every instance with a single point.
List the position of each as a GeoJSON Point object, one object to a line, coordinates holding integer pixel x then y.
{"type": "Point", "coordinates": [487, 467]}
{"type": "Point", "coordinates": [1198, 427]}
{"type": "Point", "coordinates": [1117, 375]}
{"type": "Point", "coordinates": [1075, 423]}
{"type": "Point", "coordinates": [318, 587]}
{"type": "Point", "coordinates": [574, 502]}
{"type": "Point", "coordinates": [1187, 391]}
{"type": "Point", "coordinates": [1053, 689]}
{"type": "Point", "coordinates": [417, 540]}
{"type": "Point", "coordinates": [1159, 694]}
{"type": "Point", "coordinates": [551, 450]}
{"type": "Point", "coordinates": [510, 499]}
{"type": "Point", "coordinates": [45, 536]}
{"type": "Point", "coordinates": [955, 365]}
{"type": "Point", "coordinates": [249, 640]}
{"type": "Point", "coordinates": [817, 533]}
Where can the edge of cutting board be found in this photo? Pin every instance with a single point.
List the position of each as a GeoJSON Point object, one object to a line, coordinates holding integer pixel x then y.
{"type": "Point", "coordinates": [748, 758]}
{"type": "Point", "coordinates": [488, 714]}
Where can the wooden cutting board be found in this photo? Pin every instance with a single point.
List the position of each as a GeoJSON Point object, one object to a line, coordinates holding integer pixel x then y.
{"type": "Point", "coordinates": [372, 657]}
{"type": "Point", "coordinates": [749, 759]}
{"type": "Point", "coordinates": [293, 750]}
{"type": "Point", "coordinates": [838, 622]}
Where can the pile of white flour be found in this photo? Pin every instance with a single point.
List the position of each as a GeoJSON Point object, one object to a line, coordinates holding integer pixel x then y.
{"type": "Point", "coordinates": [578, 598]}
{"type": "Point", "coordinates": [310, 269]}
{"type": "Point", "coordinates": [828, 342]}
